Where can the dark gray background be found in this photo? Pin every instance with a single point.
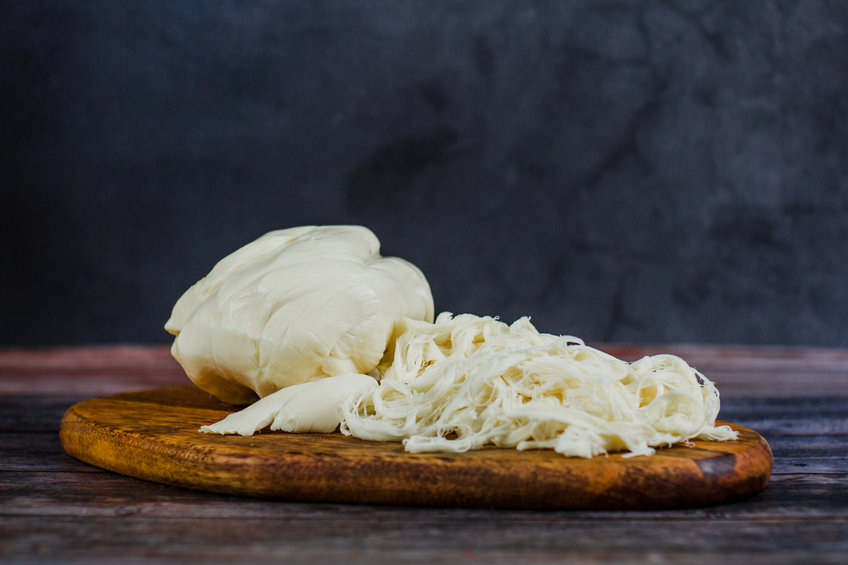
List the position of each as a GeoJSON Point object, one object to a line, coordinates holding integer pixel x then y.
{"type": "Point", "coordinates": [621, 171]}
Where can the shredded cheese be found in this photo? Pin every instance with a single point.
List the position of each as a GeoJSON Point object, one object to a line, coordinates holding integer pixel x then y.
{"type": "Point", "coordinates": [466, 382]}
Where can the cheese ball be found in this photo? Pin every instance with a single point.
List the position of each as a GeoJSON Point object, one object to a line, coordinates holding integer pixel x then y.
{"type": "Point", "coordinates": [294, 306]}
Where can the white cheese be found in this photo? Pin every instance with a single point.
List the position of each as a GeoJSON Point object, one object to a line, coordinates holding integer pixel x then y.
{"type": "Point", "coordinates": [467, 381]}
{"type": "Point", "coordinates": [307, 407]}
{"type": "Point", "coordinates": [294, 306]}
{"type": "Point", "coordinates": [309, 319]}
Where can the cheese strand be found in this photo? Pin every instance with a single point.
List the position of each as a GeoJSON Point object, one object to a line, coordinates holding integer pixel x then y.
{"type": "Point", "coordinates": [466, 382]}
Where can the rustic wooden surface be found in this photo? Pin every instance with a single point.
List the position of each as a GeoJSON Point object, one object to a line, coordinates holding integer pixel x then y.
{"type": "Point", "coordinates": [54, 509]}
{"type": "Point", "coordinates": [154, 435]}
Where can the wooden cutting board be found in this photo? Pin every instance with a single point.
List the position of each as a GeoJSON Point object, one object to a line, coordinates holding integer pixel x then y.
{"type": "Point", "coordinates": [153, 435]}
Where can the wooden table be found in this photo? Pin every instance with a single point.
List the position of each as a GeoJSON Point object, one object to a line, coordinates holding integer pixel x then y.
{"type": "Point", "coordinates": [56, 509]}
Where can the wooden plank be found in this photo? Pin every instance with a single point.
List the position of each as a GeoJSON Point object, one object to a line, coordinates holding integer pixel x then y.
{"type": "Point", "coordinates": [37, 452]}
{"type": "Point", "coordinates": [34, 413]}
{"type": "Point", "coordinates": [744, 357]}
{"type": "Point", "coordinates": [87, 371]}
{"type": "Point", "coordinates": [362, 539]}
{"type": "Point", "coordinates": [744, 371]}
{"type": "Point", "coordinates": [94, 359]}
{"type": "Point", "coordinates": [741, 371]}
{"type": "Point", "coordinates": [778, 416]}
{"type": "Point", "coordinates": [768, 415]}
{"type": "Point", "coordinates": [37, 493]}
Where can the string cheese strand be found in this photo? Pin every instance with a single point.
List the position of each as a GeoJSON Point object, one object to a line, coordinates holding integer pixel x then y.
{"type": "Point", "coordinates": [465, 382]}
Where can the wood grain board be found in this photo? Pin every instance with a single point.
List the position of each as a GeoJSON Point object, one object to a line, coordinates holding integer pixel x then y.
{"type": "Point", "coordinates": [153, 435]}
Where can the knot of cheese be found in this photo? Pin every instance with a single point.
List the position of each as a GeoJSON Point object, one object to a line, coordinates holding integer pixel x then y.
{"type": "Point", "coordinates": [294, 306]}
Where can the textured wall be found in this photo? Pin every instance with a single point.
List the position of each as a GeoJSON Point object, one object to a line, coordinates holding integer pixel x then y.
{"type": "Point", "coordinates": [629, 171]}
